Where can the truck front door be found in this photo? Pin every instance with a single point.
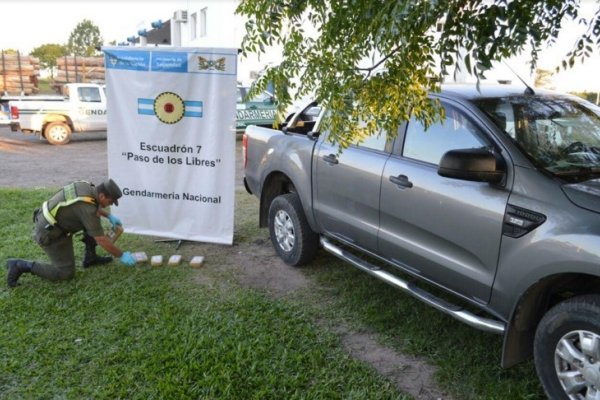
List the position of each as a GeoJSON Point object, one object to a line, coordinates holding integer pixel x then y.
{"type": "Point", "coordinates": [444, 230]}
{"type": "Point", "coordinates": [90, 108]}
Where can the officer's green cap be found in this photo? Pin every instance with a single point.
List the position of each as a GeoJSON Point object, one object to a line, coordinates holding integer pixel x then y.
{"type": "Point", "coordinates": [111, 189]}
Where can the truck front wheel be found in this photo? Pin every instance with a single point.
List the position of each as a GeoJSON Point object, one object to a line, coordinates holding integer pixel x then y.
{"type": "Point", "coordinates": [57, 133]}
{"type": "Point", "coordinates": [567, 349]}
{"type": "Point", "coordinates": [290, 233]}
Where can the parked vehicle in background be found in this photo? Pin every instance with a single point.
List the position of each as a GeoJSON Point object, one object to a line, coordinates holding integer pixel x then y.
{"type": "Point", "coordinates": [5, 114]}
{"type": "Point", "coordinates": [499, 206]}
{"type": "Point", "coordinates": [9, 116]}
{"type": "Point", "coordinates": [260, 110]}
{"type": "Point", "coordinates": [82, 108]}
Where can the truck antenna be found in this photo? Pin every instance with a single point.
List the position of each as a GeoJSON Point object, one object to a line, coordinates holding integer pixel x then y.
{"type": "Point", "coordinates": [528, 91]}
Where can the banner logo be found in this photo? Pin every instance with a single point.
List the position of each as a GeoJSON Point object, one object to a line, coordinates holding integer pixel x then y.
{"type": "Point", "coordinates": [170, 108]}
{"type": "Point", "coordinates": [204, 64]}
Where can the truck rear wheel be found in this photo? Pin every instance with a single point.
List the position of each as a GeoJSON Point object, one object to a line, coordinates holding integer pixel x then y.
{"type": "Point", "coordinates": [57, 133]}
{"type": "Point", "coordinates": [290, 233]}
{"type": "Point", "coordinates": [567, 349]}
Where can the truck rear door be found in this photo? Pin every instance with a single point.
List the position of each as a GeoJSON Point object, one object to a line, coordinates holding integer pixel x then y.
{"type": "Point", "coordinates": [444, 230]}
{"type": "Point", "coordinates": [347, 187]}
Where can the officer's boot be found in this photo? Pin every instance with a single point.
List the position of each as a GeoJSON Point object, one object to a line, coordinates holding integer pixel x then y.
{"type": "Point", "coordinates": [90, 258]}
{"type": "Point", "coordinates": [16, 268]}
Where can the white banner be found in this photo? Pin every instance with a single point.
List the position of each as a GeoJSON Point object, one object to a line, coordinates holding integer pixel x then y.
{"type": "Point", "coordinates": [171, 140]}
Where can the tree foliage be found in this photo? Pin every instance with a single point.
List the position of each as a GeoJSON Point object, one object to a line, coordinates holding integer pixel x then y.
{"type": "Point", "coordinates": [48, 53]}
{"type": "Point", "coordinates": [543, 78]}
{"type": "Point", "coordinates": [84, 39]}
{"type": "Point", "coordinates": [376, 60]}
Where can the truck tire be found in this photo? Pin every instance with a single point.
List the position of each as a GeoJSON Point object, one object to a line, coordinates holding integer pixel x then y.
{"type": "Point", "coordinates": [290, 233]}
{"type": "Point", "coordinates": [57, 133]}
{"type": "Point", "coordinates": [567, 349]}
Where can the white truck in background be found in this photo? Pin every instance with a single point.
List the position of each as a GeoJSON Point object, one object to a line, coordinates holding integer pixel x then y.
{"type": "Point", "coordinates": [5, 115]}
{"type": "Point", "coordinates": [11, 119]}
{"type": "Point", "coordinates": [82, 108]}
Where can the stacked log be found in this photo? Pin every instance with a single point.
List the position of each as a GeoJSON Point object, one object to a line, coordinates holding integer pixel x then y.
{"type": "Point", "coordinates": [18, 74]}
{"type": "Point", "coordinates": [79, 69]}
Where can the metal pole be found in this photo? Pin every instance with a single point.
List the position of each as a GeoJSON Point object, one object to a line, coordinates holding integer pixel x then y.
{"type": "Point", "coordinates": [3, 72]}
{"type": "Point", "coordinates": [66, 68]}
{"type": "Point", "coordinates": [76, 70]}
{"type": "Point", "coordinates": [20, 72]}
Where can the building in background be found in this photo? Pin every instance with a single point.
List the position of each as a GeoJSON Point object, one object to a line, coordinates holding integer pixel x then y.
{"type": "Point", "coordinates": [207, 23]}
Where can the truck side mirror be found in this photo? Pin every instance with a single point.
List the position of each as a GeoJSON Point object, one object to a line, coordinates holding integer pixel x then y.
{"type": "Point", "coordinates": [479, 165]}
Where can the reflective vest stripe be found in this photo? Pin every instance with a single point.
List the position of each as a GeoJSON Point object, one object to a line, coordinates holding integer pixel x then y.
{"type": "Point", "coordinates": [71, 197]}
{"type": "Point", "coordinates": [51, 220]}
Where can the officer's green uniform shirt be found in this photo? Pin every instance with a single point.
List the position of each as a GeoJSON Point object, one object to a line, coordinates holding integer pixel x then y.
{"type": "Point", "coordinates": [80, 216]}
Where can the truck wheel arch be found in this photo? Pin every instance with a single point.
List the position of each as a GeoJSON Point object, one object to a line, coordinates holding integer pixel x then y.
{"type": "Point", "coordinates": [275, 184]}
{"type": "Point", "coordinates": [533, 305]}
{"type": "Point", "coordinates": [57, 118]}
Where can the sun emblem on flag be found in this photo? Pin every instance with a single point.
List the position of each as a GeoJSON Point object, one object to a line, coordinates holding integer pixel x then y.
{"type": "Point", "coordinates": [170, 108]}
{"type": "Point", "coordinates": [204, 64]}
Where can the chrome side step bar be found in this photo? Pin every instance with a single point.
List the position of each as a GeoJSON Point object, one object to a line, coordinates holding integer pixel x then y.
{"type": "Point", "coordinates": [485, 324]}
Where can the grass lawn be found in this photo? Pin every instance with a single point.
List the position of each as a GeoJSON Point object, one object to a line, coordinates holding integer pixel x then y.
{"type": "Point", "coordinates": [140, 333]}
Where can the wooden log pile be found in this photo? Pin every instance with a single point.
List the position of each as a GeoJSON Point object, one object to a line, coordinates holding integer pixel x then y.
{"type": "Point", "coordinates": [18, 74]}
{"type": "Point", "coordinates": [79, 69]}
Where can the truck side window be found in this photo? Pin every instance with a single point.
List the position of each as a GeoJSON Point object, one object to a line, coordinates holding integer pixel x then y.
{"type": "Point", "coordinates": [455, 132]}
{"type": "Point", "coordinates": [239, 95]}
{"type": "Point", "coordinates": [306, 120]}
{"type": "Point", "coordinates": [377, 141]}
{"type": "Point", "coordinates": [89, 94]}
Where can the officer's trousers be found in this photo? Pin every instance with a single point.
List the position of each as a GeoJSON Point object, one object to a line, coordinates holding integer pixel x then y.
{"type": "Point", "coordinates": [59, 248]}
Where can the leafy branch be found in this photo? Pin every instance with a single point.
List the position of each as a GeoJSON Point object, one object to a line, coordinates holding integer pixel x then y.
{"type": "Point", "coordinates": [331, 49]}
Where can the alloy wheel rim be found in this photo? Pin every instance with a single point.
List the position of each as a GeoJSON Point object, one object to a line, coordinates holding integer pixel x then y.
{"type": "Point", "coordinates": [284, 231]}
{"type": "Point", "coordinates": [577, 364]}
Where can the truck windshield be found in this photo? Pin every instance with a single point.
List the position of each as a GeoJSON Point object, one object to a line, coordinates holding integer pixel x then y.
{"type": "Point", "coordinates": [263, 97]}
{"type": "Point", "coordinates": [559, 134]}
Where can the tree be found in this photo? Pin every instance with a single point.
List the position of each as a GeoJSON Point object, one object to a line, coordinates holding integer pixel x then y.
{"type": "Point", "coordinates": [376, 60]}
{"type": "Point", "coordinates": [543, 78]}
{"type": "Point", "coordinates": [48, 53]}
{"type": "Point", "coordinates": [84, 39]}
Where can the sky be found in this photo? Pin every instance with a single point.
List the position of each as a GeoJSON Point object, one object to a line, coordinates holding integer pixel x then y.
{"type": "Point", "coordinates": [27, 24]}
{"type": "Point", "coordinates": [582, 77]}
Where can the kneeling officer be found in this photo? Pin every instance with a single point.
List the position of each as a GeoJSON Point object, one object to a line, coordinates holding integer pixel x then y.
{"type": "Point", "coordinates": [76, 207]}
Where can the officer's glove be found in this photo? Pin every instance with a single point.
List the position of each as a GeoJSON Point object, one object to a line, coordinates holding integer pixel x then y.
{"type": "Point", "coordinates": [114, 220]}
{"type": "Point", "coordinates": [127, 259]}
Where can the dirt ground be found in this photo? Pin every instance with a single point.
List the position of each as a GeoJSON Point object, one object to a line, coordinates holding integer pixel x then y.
{"type": "Point", "coordinates": [26, 161]}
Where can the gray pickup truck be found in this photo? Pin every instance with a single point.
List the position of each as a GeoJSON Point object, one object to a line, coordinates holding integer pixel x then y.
{"type": "Point", "coordinates": [498, 205]}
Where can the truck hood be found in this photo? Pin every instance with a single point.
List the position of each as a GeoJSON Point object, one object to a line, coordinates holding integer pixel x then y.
{"type": "Point", "coordinates": [584, 194]}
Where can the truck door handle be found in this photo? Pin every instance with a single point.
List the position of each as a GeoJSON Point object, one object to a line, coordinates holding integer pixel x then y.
{"type": "Point", "coordinates": [401, 180]}
{"type": "Point", "coordinates": [330, 159]}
